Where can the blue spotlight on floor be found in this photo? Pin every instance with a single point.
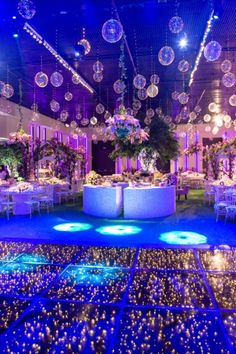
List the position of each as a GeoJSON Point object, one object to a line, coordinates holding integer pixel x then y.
{"type": "Point", "coordinates": [32, 258]}
{"type": "Point", "coordinates": [72, 227]}
{"type": "Point", "coordinates": [15, 35]}
{"type": "Point", "coordinates": [183, 238]}
{"type": "Point", "coordinates": [119, 230]}
{"type": "Point", "coordinates": [183, 42]}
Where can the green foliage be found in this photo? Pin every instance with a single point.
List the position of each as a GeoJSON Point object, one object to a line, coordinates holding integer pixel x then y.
{"type": "Point", "coordinates": [124, 148]}
{"type": "Point", "coordinates": [10, 155]}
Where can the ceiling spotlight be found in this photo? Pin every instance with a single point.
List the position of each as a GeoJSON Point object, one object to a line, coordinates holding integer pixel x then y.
{"type": "Point", "coordinates": [183, 42]}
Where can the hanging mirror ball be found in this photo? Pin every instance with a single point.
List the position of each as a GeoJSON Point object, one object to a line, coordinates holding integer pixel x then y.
{"type": "Point", "coordinates": [54, 105]}
{"type": "Point", "coordinates": [87, 46]}
{"type": "Point", "coordinates": [136, 105]}
{"type": "Point", "coordinates": [56, 79]}
{"type": "Point", "coordinates": [84, 121]}
{"type": "Point", "coordinates": [166, 55]}
{"type": "Point", "coordinates": [7, 91]}
{"type": "Point", "coordinates": [41, 79]}
{"type": "Point", "coordinates": [150, 113]}
{"type": "Point", "coordinates": [112, 31]}
{"type": "Point", "coordinates": [78, 116]}
{"type": "Point", "coordinates": [73, 124]}
{"type": "Point", "coordinates": [228, 80]}
{"type": "Point", "coordinates": [93, 120]}
{"type": "Point", "coordinates": [142, 94]}
{"type": "Point", "coordinates": [175, 95]}
{"type": "Point", "coordinates": [100, 108]}
{"type": "Point", "coordinates": [176, 24]}
{"type": "Point", "coordinates": [75, 79]}
{"type": "Point", "coordinates": [192, 115]}
{"type": "Point", "coordinates": [64, 115]}
{"type": "Point", "coordinates": [68, 96]}
{"type": "Point", "coordinates": [183, 66]}
{"type": "Point", "coordinates": [139, 81]}
{"type": "Point", "coordinates": [208, 128]}
{"type": "Point", "coordinates": [152, 90]}
{"type": "Point", "coordinates": [98, 77]}
{"type": "Point", "coordinates": [212, 107]}
{"type": "Point", "coordinates": [154, 79]}
{"type": "Point", "coordinates": [226, 66]}
{"type": "Point", "coordinates": [232, 100]}
{"type": "Point", "coordinates": [147, 120]}
{"type": "Point", "coordinates": [119, 86]}
{"type": "Point", "coordinates": [26, 9]}
{"type": "Point", "coordinates": [183, 98]}
{"type": "Point", "coordinates": [212, 51]}
{"type": "Point", "coordinates": [207, 118]}
{"type": "Point", "coordinates": [107, 115]}
{"type": "Point", "coordinates": [197, 109]}
{"type": "Point", "coordinates": [97, 67]}
{"type": "Point", "coordinates": [1, 86]}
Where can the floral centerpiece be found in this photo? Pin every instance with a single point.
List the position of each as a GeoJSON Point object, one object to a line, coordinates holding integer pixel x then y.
{"type": "Point", "coordinates": [22, 187]}
{"type": "Point", "coordinates": [224, 181]}
{"type": "Point", "coordinates": [52, 180]}
{"type": "Point", "coordinates": [93, 178]}
{"type": "Point", "coordinates": [116, 178]}
{"type": "Point", "coordinates": [19, 136]}
{"type": "Point", "coordinates": [193, 149]}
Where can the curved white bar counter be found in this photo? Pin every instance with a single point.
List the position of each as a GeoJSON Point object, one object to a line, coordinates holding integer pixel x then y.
{"type": "Point", "coordinates": [102, 201]}
{"type": "Point", "coordinates": [149, 202]}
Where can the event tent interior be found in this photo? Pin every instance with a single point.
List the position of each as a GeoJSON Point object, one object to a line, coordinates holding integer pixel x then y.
{"type": "Point", "coordinates": [118, 176]}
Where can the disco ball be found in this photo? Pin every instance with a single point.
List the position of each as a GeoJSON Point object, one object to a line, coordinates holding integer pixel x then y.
{"type": "Point", "coordinates": [176, 24]}
{"type": "Point", "coordinates": [93, 120]}
{"type": "Point", "coordinates": [26, 9]}
{"type": "Point", "coordinates": [100, 108]}
{"type": "Point", "coordinates": [207, 118]}
{"type": "Point", "coordinates": [119, 86]}
{"type": "Point", "coordinates": [154, 79]}
{"type": "Point", "coordinates": [136, 104]}
{"type": "Point", "coordinates": [226, 66]}
{"type": "Point", "coordinates": [142, 94]}
{"type": "Point", "coordinates": [212, 107]}
{"type": "Point", "coordinates": [73, 124]}
{"type": "Point", "coordinates": [139, 81]}
{"type": "Point", "coordinates": [54, 105]}
{"type": "Point", "coordinates": [183, 66]}
{"type": "Point", "coordinates": [232, 100]}
{"type": "Point", "coordinates": [87, 46]}
{"type": "Point", "coordinates": [112, 31]}
{"type": "Point", "coordinates": [212, 51]}
{"type": "Point", "coordinates": [75, 79]}
{"type": "Point", "coordinates": [175, 95]}
{"type": "Point", "coordinates": [166, 55]}
{"type": "Point", "coordinates": [228, 80]}
{"type": "Point", "coordinates": [7, 91]}
{"type": "Point", "coordinates": [150, 113]}
{"type": "Point", "coordinates": [41, 79]}
{"type": "Point", "coordinates": [84, 121]}
{"type": "Point", "coordinates": [183, 98]}
{"type": "Point", "coordinates": [64, 115]}
{"type": "Point", "coordinates": [68, 96]}
{"type": "Point", "coordinates": [98, 67]}
{"type": "Point", "coordinates": [98, 77]}
{"type": "Point", "coordinates": [208, 128]}
{"type": "Point", "coordinates": [147, 120]}
{"type": "Point", "coordinates": [78, 116]}
{"type": "Point", "coordinates": [56, 79]}
{"type": "Point", "coordinates": [152, 90]}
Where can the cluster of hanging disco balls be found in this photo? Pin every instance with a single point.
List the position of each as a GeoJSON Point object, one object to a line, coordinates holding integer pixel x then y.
{"type": "Point", "coordinates": [98, 71]}
{"type": "Point", "coordinates": [212, 51]}
{"type": "Point", "coordinates": [166, 55]}
{"type": "Point", "coordinates": [112, 31]}
{"type": "Point", "coordinates": [26, 9]}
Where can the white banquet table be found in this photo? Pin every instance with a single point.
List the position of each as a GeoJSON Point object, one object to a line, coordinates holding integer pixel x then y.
{"type": "Point", "coordinates": [149, 202]}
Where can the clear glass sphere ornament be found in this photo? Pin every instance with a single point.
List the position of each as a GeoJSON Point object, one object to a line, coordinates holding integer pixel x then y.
{"type": "Point", "coordinates": [215, 130]}
{"type": "Point", "coordinates": [56, 79]}
{"type": "Point", "coordinates": [98, 67]}
{"type": "Point", "coordinates": [78, 116]}
{"type": "Point", "coordinates": [119, 86]}
{"type": "Point", "coordinates": [158, 110]}
{"type": "Point", "coordinates": [226, 66]}
{"type": "Point", "coordinates": [183, 98]}
{"type": "Point", "coordinates": [142, 94]}
{"type": "Point", "coordinates": [197, 109]}
{"type": "Point", "coordinates": [192, 115]}
{"type": "Point", "coordinates": [218, 120]}
{"type": "Point", "coordinates": [107, 115]}
{"type": "Point", "coordinates": [139, 81]}
{"type": "Point", "coordinates": [64, 115]}
{"type": "Point", "coordinates": [212, 107]}
{"type": "Point", "coordinates": [152, 90]}
{"type": "Point", "coordinates": [147, 120]}
{"type": "Point", "coordinates": [84, 121]}
{"type": "Point", "coordinates": [207, 118]}
{"type": "Point", "coordinates": [26, 9]}
{"type": "Point", "coordinates": [150, 113]}
{"type": "Point", "coordinates": [73, 124]}
{"type": "Point", "coordinates": [136, 104]}
{"type": "Point", "coordinates": [176, 24]}
{"type": "Point", "coordinates": [228, 125]}
{"type": "Point", "coordinates": [232, 100]}
{"type": "Point", "coordinates": [35, 117]}
{"type": "Point", "coordinates": [183, 66]}
{"type": "Point", "coordinates": [93, 120]}
{"type": "Point", "coordinates": [168, 119]}
{"type": "Point", "coordinates": [7, 91]}
{"type": "Point", "coordinates": [175, 95]}
{"type": "Point", "coordinates": [227, 118]}
{"type": "Point", "coordinates": [100, 108]}
{"type": "Point", "coordinates": [155, 79]}
{"type": "Point", "coordinates": [68, 96]}
{"type": "Point", "coordinates": [112, 31]}
{"type": "Point", "coordinates": [212, 51]}
{"type": "Point", "coordinates": [184, 113]}
{"type": "Point", "coordinates": [147, 129]}
{"type": "Point", "coordinates": [41, 79]}
{"type": "Point", "coordinates": [228, 79]}
{"type": "Point", "coordinates": [98, 77]}
{"type": "Point", "coordinates": [1, 86]}
{"type": "Point", "coordinates": [129, 111]}
{"type": "Point", "coordinates": [87, 46]}
{"type": "Point", "coordinates": [172, 126]}
{"type": "Point", "coordinates": [54, 105]}
{"type": "Point", "coordinates": [166, 55]}
{"type": "Point", "coordinates": [75, 79]}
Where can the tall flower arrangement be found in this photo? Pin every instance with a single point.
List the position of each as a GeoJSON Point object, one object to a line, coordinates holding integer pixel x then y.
{"type": "Point", "coordinates": [193, 149]}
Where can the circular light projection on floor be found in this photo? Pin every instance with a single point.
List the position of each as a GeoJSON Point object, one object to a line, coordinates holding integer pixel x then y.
{"type": "Point", "coordinates": [119, 230]}
{"type": "Point", "coordinates": [72, 227]}
{"type": "Point", "coordinates": [183, 238]}
{"type": "Point", "coordinates": [93, 276]}
{"type": "Point", "coordinates": [33, 258]}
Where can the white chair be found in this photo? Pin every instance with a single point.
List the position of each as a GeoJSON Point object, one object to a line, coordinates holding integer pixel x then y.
{"type": "Point", "coordinates": [220, 209]}
{"type": "Point", "coordinates": [6, 205]}
{"type": "Point", "coordinates": [62, 193]}
{"type": "Point", "coordinates": [45, 198]}
{"type": "Point", "coordinates": [209, 194]}
{"type": "Point", "coordinates": [230, 212]}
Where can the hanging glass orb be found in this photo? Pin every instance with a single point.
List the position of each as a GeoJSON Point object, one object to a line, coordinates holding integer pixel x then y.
{"type": "Point", "coordinates": [139, 81]}
{"type": "Point", "coordinates": [175, 95]}
{"type": "Point", "coordinates": [228, 125]}
{"type": "Point", "coordinates": [41, 79]}
{"type": "Point", "coordinates": [183, 66]}
{"type": "Point", "coordinates": [136, 104]}
{"type": "Point", "coordinates": [93, 120]}
{"type": "Point", "coordinates": [7, 91]}
{"type": "Point", "coordinates": [98, 77]}
{"type": "Point", "coordinates": [207, 118]}
{"type": "Point", "coordinates": [112, 31]}
{"type": "Point", "coordinates": [54, 105]}
{"type": "Point", "coordinates": [119, 86]}
{"type": "Point", "coordinates": [147, 130]}
{"type": "Point", "coordinates": [147, 120]}
{"type": "Point", "coordinates": [172, 126]}
{"type": "Point", "coordinates": [184, 112]}
{"type": "Point", "coordinates": [168, 119]}
{"type": "Point", "coordinates": [166, 55]}
{"type": "Point", "coordinates": [68, 96]}
{"type": "Point", "coordinates": [158, 110]}
{"type": "Point", "coordinates": [192, 115]}
{"type": "Point", "coordinates": [56, 79]}
{"type": "Point", "coordinates": [107, 115]}
{"type": "Point", "coordinates": [212, 51]}
{"type": "Point", "coordinates": [154, 79]}
{"type": "Point", "coordinates": [64, 115]}
{"type": "Point", "coordinates": [150, 113]}
{"type": "Point", "coordinates": [142, 94]}
{"type": "Point", "coordinates": [152, 90]}
{"type": "Point", "coordinates": [176, 24]}
{"type": "Point", "coordinates": [98, 67]}
{"type": "Point", "coordinates": [226, 118]}
{"type": "Point", "coordinates": [226, 66]}
{"type": "Point", "coordinates": [73, 124]}
{"type": "Point", "coordinates": [228, 80]}
{"type": "Point", "coordinates": [232, 100]}
{"type": "Point", "coordinates": [34, 107]}
{"type": "Point", "coordinates": [129, 111]}
{"type": "Point", "coordinates": [26, 9]}
{"type": "Point", "coordinates": [197, 109]}
{"type": "Point", "coordinates": [207, 128]}
{"type": "Point", "coordinates": [75, 79]}
{"type": "Point", "coordinates": [35, 117]}
{"type": "Point", "coordinates": [183, 98]}
{"type": "Point", "coordinates": [218, 120]}
{"type": "Point", "coordinates": [78, 116]}
{"type": "Point", "coordinates": [215, 130]}
{"type": "Point", "coordinates": [84, 121]}
{"type": "Point", "coordinates": [87, 46]}
{"type": "Point", "coordinates": [100, 108]}
{"type": "Point", "coordinates": [212, 107]}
